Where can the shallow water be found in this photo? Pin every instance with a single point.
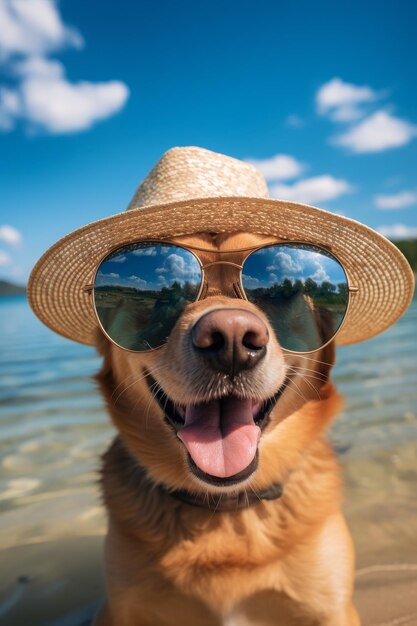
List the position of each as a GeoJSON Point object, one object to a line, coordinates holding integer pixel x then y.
{"type": "Point", "coordinates": [54, 427]}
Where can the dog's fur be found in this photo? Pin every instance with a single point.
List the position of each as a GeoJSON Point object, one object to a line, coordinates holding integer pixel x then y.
{"type": "Point", "coordinates": [287, 561]}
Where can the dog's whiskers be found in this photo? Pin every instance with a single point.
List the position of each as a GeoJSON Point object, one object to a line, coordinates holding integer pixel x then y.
{"type": "Point", "coordinates": [221, 385]}
{"type": "Point", "coordinates": [119, 385]}
{"type": "Point", "coordinates": [296, 389]}
{"type": "Point", "coordinates": [166, 399]}
{"type": "Point", "coordinates": [246, 496]}
{"type": "Point", "coordinates": [217, 505]}
{"type": "Point", "coordinates": [309, 357]}
{"type": "Point", "coordinates": [154, 389]}
{"type": "Point", "coordinates": [134, 382]}
{"type": "Point", "coordinates": [308, 376]}
{"type": "Point", "coordinates": [305, 378]}
{"type": "Point", "coordinates": [300, 368]}
{"type": "Point", "coordinates": [253, 490]}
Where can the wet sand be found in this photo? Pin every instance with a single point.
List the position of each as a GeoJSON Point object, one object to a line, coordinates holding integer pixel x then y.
{"type": "Point", "coordinates": [381, 510]}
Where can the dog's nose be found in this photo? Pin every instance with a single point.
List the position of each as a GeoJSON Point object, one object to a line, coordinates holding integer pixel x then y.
{"type": "Point", "coordinates": [230, 340]}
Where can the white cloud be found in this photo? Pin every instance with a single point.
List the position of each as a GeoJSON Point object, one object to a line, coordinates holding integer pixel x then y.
{"type": "Point", "coordinates": [396, 201]}
{"type": "Point", "coordinates": [176, 267]}
{"type": "Point", "coordinates": [42, 96]}
{"type": "Point", "coordinates": [39, 67]}
{"type": "Point", "coordinates": [251, 282]}
{"type": "Point", "coordinates": [9, 107]}
{"type": "Point", "coordinates": [345, 102]}
{"type": "Point", "coordinates": [312, 190]}
{"type": "Point", "coordinates": [50, 102]}
{"type": "Point", "coordinates": [278, 167]}
{"type": "Point", "coordinates": [320, 274]}
{"type": "Point", "coordinates": [380, 131]}
{"type": "Point", "coordinates": [284, 262]}
{"type": "Point", "coordinates": [118, 259]}
{"type": "Point", "coordinates": [33, 27]}
{"type": "Point", "coordinates": [398, 231]}
{"type": "Point", "coordinates": [347, 113]}
{"type": "Point", "coordinates": [4, 258]}
{"type": "Point", "coordinates": [342, 101]}
{"type": "Point", "coordinates": [139, 282]}
{"type": "Point", "coordinates": [60, 107]}
{"type": "Point", "coordinates": [145, 252]}
{"type": "Point", "coordinates": [10, 235]}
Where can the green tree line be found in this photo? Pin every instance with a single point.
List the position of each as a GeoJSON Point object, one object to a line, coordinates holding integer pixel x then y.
{"type": "Point", "coordinates": [409, 249]}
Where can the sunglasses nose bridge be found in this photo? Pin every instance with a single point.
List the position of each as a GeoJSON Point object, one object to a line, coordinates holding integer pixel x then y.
{"type": "Point", "coordinates": [222, 277]}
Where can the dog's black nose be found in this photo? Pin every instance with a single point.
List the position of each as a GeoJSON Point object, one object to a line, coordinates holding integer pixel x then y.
{"type": "Point", "coordinates": [230, 340]}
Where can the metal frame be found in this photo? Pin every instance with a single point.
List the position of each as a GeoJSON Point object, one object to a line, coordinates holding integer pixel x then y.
{"type": "Point", "coordinates": [89, 288]}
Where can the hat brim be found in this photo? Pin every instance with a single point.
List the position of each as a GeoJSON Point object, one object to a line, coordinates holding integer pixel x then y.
{"type": "Point", "coordinates": [384, 280]}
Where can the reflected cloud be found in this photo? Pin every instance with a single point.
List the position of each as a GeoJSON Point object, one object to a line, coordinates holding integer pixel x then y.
{"type": "Point", "coordinates": [139, 282]}
{"type": "Point", "coordinates": [144, 252]}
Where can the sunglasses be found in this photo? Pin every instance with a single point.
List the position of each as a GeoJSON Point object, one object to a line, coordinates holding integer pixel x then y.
{"type": "Point", "coordinates": [141, 289]}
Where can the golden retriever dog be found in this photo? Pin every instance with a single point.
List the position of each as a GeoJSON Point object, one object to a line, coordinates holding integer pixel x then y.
{"type": "Point", "coordinates": [190, 546]}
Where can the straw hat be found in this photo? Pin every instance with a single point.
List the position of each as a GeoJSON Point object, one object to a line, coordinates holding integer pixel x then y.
{"type": "Point", "coordinates": [195, 190]}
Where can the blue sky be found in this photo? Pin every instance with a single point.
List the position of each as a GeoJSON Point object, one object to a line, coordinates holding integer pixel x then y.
{"type": "Point", "coordinates": [149, 267]}
{"type": "Point", "coordinates": [322, 96]}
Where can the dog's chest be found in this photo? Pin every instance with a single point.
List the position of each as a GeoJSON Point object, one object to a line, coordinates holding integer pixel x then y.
{"type": "Point", "coordinates": [233, 557]}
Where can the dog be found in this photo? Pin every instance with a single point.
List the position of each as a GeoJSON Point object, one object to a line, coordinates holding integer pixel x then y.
{"type": "Point", "coordinates": [223, 496]}
{"type": "Point", "coordinates": [187, 545]}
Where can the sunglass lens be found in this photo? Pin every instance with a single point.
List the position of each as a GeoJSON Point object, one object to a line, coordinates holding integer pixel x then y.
{"type": "Point", "coordinates": [303, 290]}
{"type": "Point", "coordinates": [141, 290]}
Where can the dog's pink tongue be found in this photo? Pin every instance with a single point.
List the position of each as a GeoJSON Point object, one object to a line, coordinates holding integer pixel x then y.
{"type": "Point", "coordinates": [221, 435]}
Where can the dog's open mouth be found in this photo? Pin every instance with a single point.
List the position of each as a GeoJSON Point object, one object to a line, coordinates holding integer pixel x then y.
{"type": "Point", "coordinates": [220, 436]}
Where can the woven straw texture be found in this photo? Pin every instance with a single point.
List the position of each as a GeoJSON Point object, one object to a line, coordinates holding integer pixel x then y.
{"type": "Point", "coordinates": [232, 196]}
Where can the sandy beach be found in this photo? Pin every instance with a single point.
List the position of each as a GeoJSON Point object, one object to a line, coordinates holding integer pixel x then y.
{"type": "Point", "coordinates": [381, 513]}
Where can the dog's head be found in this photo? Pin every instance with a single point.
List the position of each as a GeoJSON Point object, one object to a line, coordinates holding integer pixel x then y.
{"type": "Point", "coordinates": [220, 406]}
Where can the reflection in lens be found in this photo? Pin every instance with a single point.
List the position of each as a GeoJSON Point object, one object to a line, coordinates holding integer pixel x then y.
{"type": "Point", "coordinates": [140, 291]}
{"type": "Point", "coordinates": [302, 289]}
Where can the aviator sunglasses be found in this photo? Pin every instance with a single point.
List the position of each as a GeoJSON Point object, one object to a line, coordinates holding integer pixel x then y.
{"type": "Point", "coordinates": [141, 289]}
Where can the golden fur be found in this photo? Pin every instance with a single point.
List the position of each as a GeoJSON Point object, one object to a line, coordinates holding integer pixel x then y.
{"type": "Point", "coordinates": [284, 562]}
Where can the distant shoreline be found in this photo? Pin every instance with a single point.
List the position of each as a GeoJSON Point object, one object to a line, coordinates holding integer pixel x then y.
{"type": "Point", "coordinates": [11, 289]}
